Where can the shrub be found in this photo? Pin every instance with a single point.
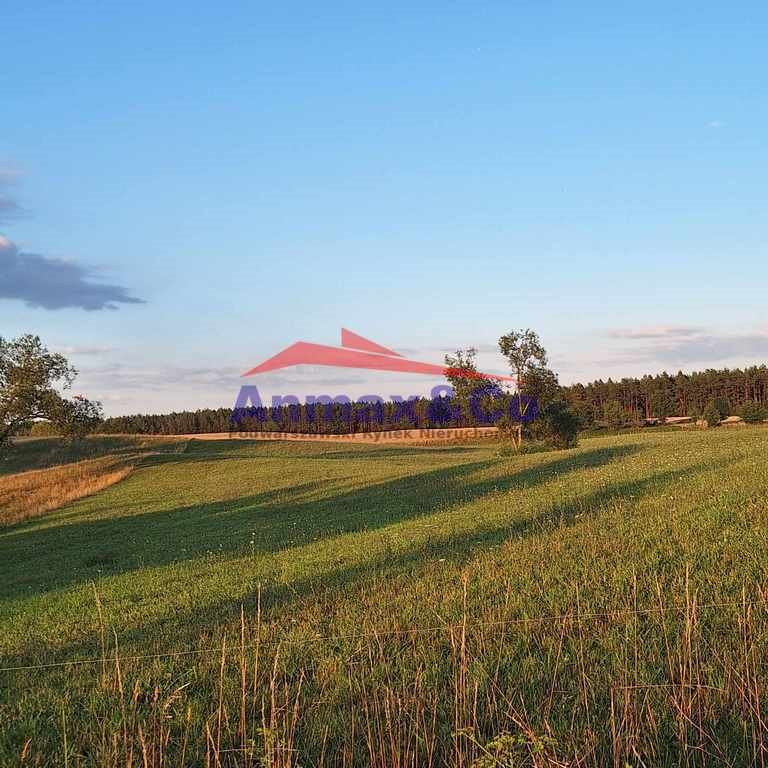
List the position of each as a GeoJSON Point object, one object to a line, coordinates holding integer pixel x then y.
{"type": "Point", "coordinates": [712, 415]}
{"type": "Point", "coordinates": [562, 424]}
{"type": "Point", "coordinates": [556, 426]}
{"type": "Point", "coordinates": [752, 412]}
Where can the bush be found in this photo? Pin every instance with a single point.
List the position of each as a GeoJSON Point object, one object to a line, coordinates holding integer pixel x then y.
{"type": "Point", "coordinates": [752, 412]}
{"type": "Point", "coordinates": [712, 415]}
{"type": "Point", "coordinates": [556, 427]}
{"type": "Point", "coordinates": [562, 424]}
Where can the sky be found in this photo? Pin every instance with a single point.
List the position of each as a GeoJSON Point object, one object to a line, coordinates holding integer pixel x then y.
{"type": "Point", "coordinates": [188, 188]}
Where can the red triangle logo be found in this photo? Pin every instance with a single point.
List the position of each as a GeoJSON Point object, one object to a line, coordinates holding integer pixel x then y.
{"type": "Point", "coordinates": [353, 341]}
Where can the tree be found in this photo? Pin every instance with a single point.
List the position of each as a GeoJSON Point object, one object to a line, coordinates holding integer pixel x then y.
{"type": "Point", "coordinates": [525, 353]}
{"type": "Point", "coordinates": [723, 406]}
{"type": "Point", "coordinates": [77, 417]}
{"type": "Point", "coordinates": [712, 414]}
{"type": "Point", "coordinates": [686, 394]}
{"type": "Point", "coordinates": [29, 377]}
{"type": "Point", "coordinates": [752, 412]}
{"type": "Point", "coordinates": [473, 390]}
{"type": "Point", "coordinates": [614, 416]}
{"type": "Point", "coordinates": [461, 369]}
{"type": "Point", "coordinates": [662, 400]}
{"type": "Point", "coordinates": [542, 384]}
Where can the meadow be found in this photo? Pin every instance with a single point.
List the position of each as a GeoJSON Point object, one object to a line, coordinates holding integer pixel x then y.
{"type": "Point", "coordinates": [235, 603]}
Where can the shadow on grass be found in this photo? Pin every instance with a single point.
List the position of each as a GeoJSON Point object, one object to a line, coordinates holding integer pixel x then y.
{"type": "Point", "coordinates": [35, 559]}
{"type": "Point", "coordinates": [185, 628]}
{"type": "Point", "coordinates": [47, 452]}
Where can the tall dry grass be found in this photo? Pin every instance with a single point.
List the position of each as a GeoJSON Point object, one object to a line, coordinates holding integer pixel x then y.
{"type": "Point", "coordinates": [40, 475]}
{"type": "Point", "coordinates": [673, 696]}
{"type": "Point", "coordinates": [29, 494]}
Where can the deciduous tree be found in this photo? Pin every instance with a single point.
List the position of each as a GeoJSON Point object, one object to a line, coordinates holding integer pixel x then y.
{"type": "Point", "coordinates": [468, 384]}
{"type": "Point", "coordinates": [31, 378]}
{"type": "Point", "coordinates": [525, 353]}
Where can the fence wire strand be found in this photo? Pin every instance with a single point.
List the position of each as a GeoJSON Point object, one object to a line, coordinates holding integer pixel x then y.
{"type": "Point", "coordinates": [411, 630]}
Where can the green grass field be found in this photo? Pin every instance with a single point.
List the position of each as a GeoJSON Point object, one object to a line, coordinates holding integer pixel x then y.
{"type": "Point", "coordinates": [313, 604]}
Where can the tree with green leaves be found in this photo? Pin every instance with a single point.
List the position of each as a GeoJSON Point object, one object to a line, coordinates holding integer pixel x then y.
{"type": "Point", "coordinates": [461, 368]}
{"type": "Point", "coordinates": [723, 406]}
{"type": "Point", "coordinates": [524, 351]}
{"type": "Point", "coordinates": [685, 394]}
{"type": "Point", "coordinates": [662, 405]}
{"type": "Point", "coordinates": [712, 415]}
{"type": "Point", "coordinates": [525, 354]}
{"type": "Point", "coordinates": [752, 412]}
{"type": "Point", "coordinates": [542, 383]}
{"type": "Point", "coordinates": [472, 390]}
{"type": "Point", "coordinates": [614, 416]}
{"type": "Point", "coordinates": [30, 380]}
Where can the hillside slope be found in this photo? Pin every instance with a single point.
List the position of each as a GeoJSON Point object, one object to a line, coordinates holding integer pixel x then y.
{"type": "Point", "coordinates": [400, 606]}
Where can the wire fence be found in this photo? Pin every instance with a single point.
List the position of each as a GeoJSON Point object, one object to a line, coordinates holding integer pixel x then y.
{"type": "Point", "coordinates": [404, 631]}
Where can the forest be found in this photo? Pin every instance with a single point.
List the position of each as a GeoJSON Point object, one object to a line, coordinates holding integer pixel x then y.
{"type": "Point", "coordinates": [630, 401]}
{"type": "Point", "coordinates": [662, 395]}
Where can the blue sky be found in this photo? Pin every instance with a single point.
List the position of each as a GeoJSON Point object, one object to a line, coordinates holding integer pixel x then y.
{"type": "Point", "coordinates": [428, 176]}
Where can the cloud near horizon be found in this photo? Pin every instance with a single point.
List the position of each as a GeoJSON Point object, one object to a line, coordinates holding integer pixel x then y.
{"type": "Point", "coordinates": [84, 350]}
{"type": "Point", "coordinates": [658, 332]}
{"type": "Point", "coordinates": [50, 283]}
{"type": "Point", "coordinates": [681, 346]}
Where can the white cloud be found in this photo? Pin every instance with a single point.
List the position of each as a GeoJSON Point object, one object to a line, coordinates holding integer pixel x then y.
{"type": "Point", "coordinates": [655, 332]}
{"type": "Point", "coordinates": [682, 346]}
{"type": "Point", "coordinates": [82, 350]}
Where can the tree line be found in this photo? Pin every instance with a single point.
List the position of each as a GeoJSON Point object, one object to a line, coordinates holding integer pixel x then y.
{"type": "Point", "coordinates": [31, 377]}
{"type": "Point", "coordinates": [629, 401]}
{"type": "Point", "coordinates": [477, 400]}
{"type": "Point", "coordinates": [733, 391]}
{"type": "Point", "coordinates": [313, 418]}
